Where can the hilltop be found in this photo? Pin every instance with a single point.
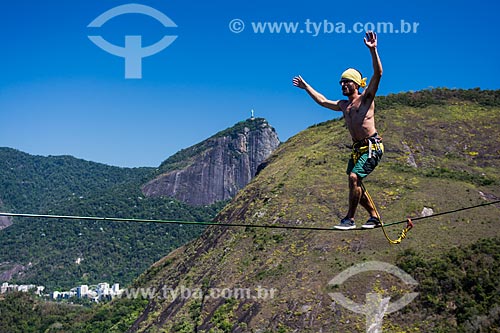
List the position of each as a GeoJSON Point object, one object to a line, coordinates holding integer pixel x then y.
{"type": "Point", "coordinates": [440, 154]}
{"type": "Point", "coordinates": [218, 167]}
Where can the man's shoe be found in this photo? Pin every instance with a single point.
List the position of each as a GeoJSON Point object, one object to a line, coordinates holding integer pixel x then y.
{"type": "Point", "coordinates": [346, 224]}
{"type": "Point", "coordinates": [373, 222]}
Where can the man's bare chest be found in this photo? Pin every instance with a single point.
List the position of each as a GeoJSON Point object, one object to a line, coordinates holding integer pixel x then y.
{"type": "Point", "coordinates": [354, 112]}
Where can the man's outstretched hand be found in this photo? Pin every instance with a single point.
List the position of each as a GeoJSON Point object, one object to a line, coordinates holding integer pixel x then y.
{"type": "Point", "coordinates": [371, 39]}
{"type": "Point", "coordinates": [299, 82]}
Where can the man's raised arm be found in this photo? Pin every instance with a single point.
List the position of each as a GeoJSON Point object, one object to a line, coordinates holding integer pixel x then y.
{"type": "Point", "coordinates": [299, 82]}
{"type": "Point", "coordinates": [371, 42]}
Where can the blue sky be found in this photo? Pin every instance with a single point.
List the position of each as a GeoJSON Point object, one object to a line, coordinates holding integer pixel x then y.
{"type": "Point", "coordinates": [62, 95]}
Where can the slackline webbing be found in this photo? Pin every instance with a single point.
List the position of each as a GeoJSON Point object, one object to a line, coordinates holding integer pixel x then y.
{"type": "Point", "coordinates": [268, 226]}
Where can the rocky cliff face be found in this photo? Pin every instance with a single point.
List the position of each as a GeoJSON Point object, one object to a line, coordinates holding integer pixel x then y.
{"type": "Point", "coordinates": [217, 168]}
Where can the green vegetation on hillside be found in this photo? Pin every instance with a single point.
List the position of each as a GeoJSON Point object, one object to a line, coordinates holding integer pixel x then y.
{"type": "Point", "coordinates": [459, 290]}
{"type": "Point", "coordinates": [23, 313]}
{"type": "Point", "coordinates": [108, 252]}
{"type": "Point", "coordinates": [36, 183]}
{"type": "Point", "coordinates": [439, 96]}
{"type": "Point", "coordinates": [114, 252]}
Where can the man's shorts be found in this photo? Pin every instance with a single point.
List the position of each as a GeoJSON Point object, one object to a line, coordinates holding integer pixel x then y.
{"type": "Point", "coordinates": [365, 164]}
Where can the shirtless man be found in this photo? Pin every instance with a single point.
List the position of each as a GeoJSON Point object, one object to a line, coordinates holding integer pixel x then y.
{"type": "Point", "coordinates": [359, 112]}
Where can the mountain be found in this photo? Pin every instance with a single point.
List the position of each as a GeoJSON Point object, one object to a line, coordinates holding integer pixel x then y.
{"type": "Point", "coordinates": [62, 254]}
{"type": "Point", "coordinates": [441, 154]}
{"type": "Point", "coordinates": [217, 168]}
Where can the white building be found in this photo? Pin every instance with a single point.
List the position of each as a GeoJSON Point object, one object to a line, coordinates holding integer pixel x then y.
{"type": "Point", "coordinates": [103, 290]}
{"type": "Point", "coordinates": [116, 290]}
{"type": "Point", "coordinates": [39, 290]}
{"type": "Point", "coordinates": [82, 291]}
{"type": "Point", "coordinates": [55, 294]}
{"type": "Point", "coordinates": [6, 287]}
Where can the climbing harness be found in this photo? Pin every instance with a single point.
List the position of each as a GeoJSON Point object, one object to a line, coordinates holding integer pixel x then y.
{"type": "Point", "coordinates": [370, 145]}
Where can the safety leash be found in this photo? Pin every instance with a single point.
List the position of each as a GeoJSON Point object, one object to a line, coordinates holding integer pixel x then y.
{"type": "Point", "coordinates": [404, 232]}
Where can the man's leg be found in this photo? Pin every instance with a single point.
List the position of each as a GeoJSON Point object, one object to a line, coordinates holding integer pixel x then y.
{"type": "Point", "coordinates": [362, 169]}
{"type": "Point", "coordinates": [355, 194]}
